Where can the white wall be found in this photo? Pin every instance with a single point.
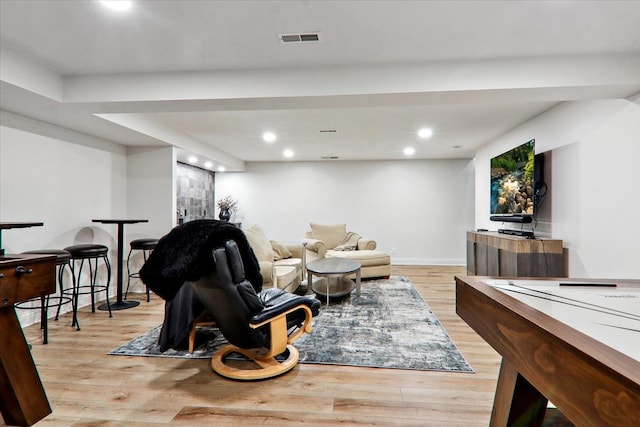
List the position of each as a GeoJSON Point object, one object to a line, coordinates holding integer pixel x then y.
{"type": "Point", "coordinates": [594, 148]}
{"type": "Point", "coordinates": [151, 195]}
{"type": "Point", "coordinates": [67, 184]}
{"type": "Point", "coordinates": [150, 190]}
{"type": "Point", "coordinates": [63, 185]}
{"type": "Point", "coordinates": [417, 210]}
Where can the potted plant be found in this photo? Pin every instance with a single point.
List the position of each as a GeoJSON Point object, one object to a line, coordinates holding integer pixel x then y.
{"type": "Point", "coordinates": [226, 205]}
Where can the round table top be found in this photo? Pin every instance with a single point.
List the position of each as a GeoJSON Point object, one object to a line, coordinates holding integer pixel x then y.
{"type": "Point", "coordinates": [333, 266]}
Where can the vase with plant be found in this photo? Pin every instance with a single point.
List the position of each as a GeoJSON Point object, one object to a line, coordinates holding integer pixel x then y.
{"type": "Point", "coordinates": [226, 205]}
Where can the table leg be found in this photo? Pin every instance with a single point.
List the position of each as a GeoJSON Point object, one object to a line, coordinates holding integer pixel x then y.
{"type": "Point", "coordinates": [120, 304]}
{"type": "Point", "coordinates": [516, 402]}
{"type": "Point", "coordinates": [22, 397]}
{"type": "Point", "coordinates": [358, 281]}
{"type": "Point", "coordinates": [328, 290]}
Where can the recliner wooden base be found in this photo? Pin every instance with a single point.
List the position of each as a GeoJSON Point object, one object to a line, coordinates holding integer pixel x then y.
{"type": "Point", "coordinates": [265, 358]}
{"type": "Point", "coordinates": [266, 368]}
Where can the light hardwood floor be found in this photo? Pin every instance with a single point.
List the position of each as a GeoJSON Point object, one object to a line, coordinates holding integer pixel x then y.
{"type": "Point", "coordinates": [86, 387]}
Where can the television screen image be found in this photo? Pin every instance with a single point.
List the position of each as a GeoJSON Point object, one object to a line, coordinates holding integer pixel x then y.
{"type": "Point", "coordinates": [512, 186]}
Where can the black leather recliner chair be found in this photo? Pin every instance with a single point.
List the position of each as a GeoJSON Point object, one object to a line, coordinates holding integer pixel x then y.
{"type": "Point", "coordinates": [259, 326]}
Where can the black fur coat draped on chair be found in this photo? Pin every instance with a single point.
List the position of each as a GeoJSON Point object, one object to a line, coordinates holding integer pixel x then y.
{"type": "Point", "coordinates": [184, 254]}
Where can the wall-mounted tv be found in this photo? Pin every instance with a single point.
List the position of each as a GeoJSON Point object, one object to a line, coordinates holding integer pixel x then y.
{"type": "Point", "coordinates": [512, 181]}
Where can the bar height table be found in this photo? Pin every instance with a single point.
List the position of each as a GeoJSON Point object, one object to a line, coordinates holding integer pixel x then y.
{"type": "Point", "coordinates": [120, 304]}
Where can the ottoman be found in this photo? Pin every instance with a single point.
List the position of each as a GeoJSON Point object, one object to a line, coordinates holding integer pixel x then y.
{"type": "Point", "coordinates": [374, 263]}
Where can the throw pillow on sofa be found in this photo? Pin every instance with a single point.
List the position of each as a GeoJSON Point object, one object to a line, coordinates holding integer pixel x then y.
{"type": "Point", "coordinates": [280, 251]}
{"type": "Point", "coordinates": [259, 243]}
{"type": "Point", "coordinates": [331, 235]}
{"type": "Point", "coordinates": [350, 242]}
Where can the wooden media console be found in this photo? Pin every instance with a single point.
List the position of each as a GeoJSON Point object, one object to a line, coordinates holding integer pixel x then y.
{"type": "Point", "coordinates": [492, 254]}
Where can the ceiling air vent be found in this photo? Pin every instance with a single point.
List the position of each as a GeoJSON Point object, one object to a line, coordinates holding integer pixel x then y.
{"type": "Point", "coordinates": [296, 38]}
{"type": "Point", "coordinates": [329, 157]}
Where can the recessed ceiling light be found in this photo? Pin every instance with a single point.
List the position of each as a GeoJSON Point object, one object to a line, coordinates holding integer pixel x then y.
{"type": "Point", "coordinates": [208, 164]}
{"type": "Point", "coordinates": [119, 5]}
{"type": "Point", "coordinates": [193, 159]}
{"type": "Point", "coordinates": [269, 136]}
{"type": "Point", "coordinates": [409, 151]}
{"type": "Point", "coordinates": [425, 133]}
{"type": "Point", "coordinates": [287, 153]}
{"type": "Point", "coordinates": [221, 168]}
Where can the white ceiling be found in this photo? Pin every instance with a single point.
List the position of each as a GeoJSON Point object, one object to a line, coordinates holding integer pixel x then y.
{"type": "Point", "coordinates": [210, 76]}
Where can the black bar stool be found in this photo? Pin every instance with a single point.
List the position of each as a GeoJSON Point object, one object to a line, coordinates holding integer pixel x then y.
{"type": "Point", "coordinates": [43, 303]}
{"type": "Point", "coordinates": [146, 246]}
{"type": "Point", "coordinates": [92, 253]}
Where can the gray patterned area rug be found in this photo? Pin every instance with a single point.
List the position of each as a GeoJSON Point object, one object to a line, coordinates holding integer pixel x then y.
{"type": "Point", "coordinates": [388, 326]}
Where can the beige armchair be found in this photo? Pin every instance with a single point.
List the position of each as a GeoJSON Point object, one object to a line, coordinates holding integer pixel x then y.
{"type": "Point", "coordinates": [282, 265]}
{"type": "Point", "coordinates": [334, 241]}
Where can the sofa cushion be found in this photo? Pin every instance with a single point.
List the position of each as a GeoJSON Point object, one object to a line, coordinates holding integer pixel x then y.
{"type": "Point", "coordinates": [259, 243]}
{"type": "Point", "coordinates": [366, 257]}
{"type": "Point", "coordinates": [280, 251]}
{"type": "Point", "coordinates": [266, 269]}
{"type": "Point", "coordinates": [292, 262]}
{"type": "Point", "coordinates": [286, 276]}
{"type": "Point", "coordinates": [331, 235]}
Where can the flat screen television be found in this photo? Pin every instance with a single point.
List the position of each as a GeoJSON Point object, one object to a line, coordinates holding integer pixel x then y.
{"type": "Point", "coordinates": [513, 181]}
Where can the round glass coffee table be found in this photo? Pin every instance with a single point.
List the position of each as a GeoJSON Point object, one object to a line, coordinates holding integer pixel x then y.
{"type": "Point", "coordinates": [336, 268]}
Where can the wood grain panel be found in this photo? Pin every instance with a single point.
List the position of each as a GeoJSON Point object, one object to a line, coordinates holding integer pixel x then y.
{"type": "Point", "coordinates": [513, 256]}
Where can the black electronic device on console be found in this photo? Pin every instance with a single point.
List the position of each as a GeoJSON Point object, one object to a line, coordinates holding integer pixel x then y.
{"type": "Point", "coordinates": [520, 219]}
{"type": "Point", "coordinates": [521, 233]}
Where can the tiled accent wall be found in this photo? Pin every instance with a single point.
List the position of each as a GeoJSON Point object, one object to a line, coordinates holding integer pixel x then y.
{"type": "Point", "coordinates": [195, 192]}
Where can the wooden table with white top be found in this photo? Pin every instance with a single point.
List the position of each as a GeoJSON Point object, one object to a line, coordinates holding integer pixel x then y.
{"type": "Point", "coordinates": [573, 342]}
